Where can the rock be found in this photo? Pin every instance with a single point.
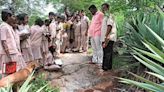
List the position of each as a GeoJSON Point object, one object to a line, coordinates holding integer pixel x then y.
{"type": "Point", "coordinates": [52, 67]}
{"type": "Point", "coordinates": [78, 76]}
{"type": "Point", "coordinates": [105, 86]}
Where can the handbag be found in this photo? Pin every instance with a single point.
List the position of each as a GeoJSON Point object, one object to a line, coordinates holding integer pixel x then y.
{"type": "Point", "coordinates": [9, 67]}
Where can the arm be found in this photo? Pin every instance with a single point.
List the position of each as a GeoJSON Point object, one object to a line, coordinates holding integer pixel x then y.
{"type": "Point", "coordinates": [3, 36]}
{"type": "Point", "coordinates": [87, 20]}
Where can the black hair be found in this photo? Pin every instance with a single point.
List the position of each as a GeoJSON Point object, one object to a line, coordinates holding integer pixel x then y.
{"type": "Point", "coordinates": [82, 11]}
{"type": "Point", "coordinates": [47, 21]}
{"type": "Point", "coordinates": [5, 14]}
{"type": "Point", "coordinates": [39, 22]}
{"type": "Point", "coordinates": [52, 13]}
{"type": "Point", "coordinates": [92, 7]}
{"type": "Point", "coordinates": [21, 17]}
{"type": "Point", "coordinates": [106, 4]}
{"type": "Point", "coordinates": [62, 17]}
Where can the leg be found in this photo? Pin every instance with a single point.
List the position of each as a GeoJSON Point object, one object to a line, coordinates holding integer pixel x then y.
{"type": "Point", "coordinates": [78, 42]}
{"type": "Point", "coordinates": [94, 57]}
{"type": "Point", "coordinates": [107, 59]}
{"type": "Point", "coordinates": [99, 49]}
{"type": "Point", "coordinates": [85, 47]}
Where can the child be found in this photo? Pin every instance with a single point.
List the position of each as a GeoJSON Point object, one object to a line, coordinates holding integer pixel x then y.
{"type": "Point", "coordinates": [36, 39]}
{"type": "Point", "coordinates": [25, 44]}
{"type": "Point", "coordinates": [78, 35]}
{"type": "Point", "coordinates": [8, 48]}
{"type": "Point", "coordinates": [47, 56]}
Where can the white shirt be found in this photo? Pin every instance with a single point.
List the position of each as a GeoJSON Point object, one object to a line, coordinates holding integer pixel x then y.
{"type": "Point", "coordinates": [109, 21]}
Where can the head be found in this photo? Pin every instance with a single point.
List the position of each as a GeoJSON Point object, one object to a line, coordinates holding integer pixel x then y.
{"type": "Point", "coordinates": [15, 23]}
{"type": "Point", "coordinates": [78, 18]}
{"type": "Point", "coordinates": [105, 7]}
{"type": "Point", "coordinates": [93, 9]}
{"type": "Point", "coordinates": [23, 18]}
{"type": "Point", "coordinates": [32, 65]}
{"type": "Point", "coordinates": [62, 17]}
{"type": "Point", "coordinates": [51, 15]}
{"type": "Point", "coordinates": [39, 22]}
{"type": "Point", "coordinates": [47, 22]}
{"type": "Point", "coordinates": [82, 13]}
{"type": "Point", "coordinates": [8, 16]}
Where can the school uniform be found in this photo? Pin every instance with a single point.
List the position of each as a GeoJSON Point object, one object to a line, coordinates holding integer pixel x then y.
{"type": "Point", "coordinates": [64, 38]}
{"type": "Point", "coordinates": [25, 44]}
{"type": "Point", "coordinates": [36, 40]}
{"type": "Point", "coordinates": [21, 64]}
{"type": "Point", "coordinates": [84, 29]}
{"type": "Point", "coordinates": [46, 55]}
{"type": "Point", "coordinates": [53, 32]}
{"type": "Point", "coordinates": [77, 36]}
{"type": "Point", "coordinates": [8, 35]}
{"type": "Point", "coordinates": [59, 38]}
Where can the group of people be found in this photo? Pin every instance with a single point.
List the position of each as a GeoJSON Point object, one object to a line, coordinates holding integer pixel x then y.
{"type": "Point", "coordinates": [46, 39]}
{"type": "Point", "coordinates": [43, 41]}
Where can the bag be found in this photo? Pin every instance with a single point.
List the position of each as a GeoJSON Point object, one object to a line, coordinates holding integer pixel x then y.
{"type": "Point", "coordinates": [10, 67]}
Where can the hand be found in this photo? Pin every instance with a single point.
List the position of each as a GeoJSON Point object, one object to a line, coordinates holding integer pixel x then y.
{"type": "Point", "coordinates": [86, 33]}
{"type": "Point", "coordinates": [104, 45]}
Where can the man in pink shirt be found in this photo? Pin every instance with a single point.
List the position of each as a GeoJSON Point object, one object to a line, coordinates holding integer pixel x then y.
{"type": "Point", "coordinates": [95, 34]}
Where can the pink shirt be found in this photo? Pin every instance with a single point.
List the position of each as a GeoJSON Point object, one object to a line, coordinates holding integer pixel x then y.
{"type": "Point", "coordinates": [7, 34]}
{"type": "Point", "coordinates": [96, 23]}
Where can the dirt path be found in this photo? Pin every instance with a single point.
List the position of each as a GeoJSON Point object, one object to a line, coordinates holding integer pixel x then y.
{"type": "Point", "coordinates": [79, 76]}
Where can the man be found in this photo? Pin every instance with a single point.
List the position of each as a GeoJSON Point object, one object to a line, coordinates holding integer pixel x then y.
{"type": "Point", "coordinates": [84, 28]}
{"type": "Point", "coordinates": [108, 37]}
{"type": "Point", "coordinates": [95, 34]}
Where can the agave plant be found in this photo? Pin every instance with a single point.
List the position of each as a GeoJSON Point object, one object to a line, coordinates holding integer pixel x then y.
{"type": "Point", "coordinates": [24, 88]}
{"type": "Point", "coordinates": [152, 58]}
{"type": "Point", "coordinates": [137, 31]}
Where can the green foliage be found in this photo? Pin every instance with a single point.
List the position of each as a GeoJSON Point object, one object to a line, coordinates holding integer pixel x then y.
{"type": "Point", "coordinates": [39, 82]}
{"type": "Point", "coordinates": [25, 87]}
{"type": "Point", "coordinates": [138, 32]}
{"type": "Point", "coordinates": [152, 59]}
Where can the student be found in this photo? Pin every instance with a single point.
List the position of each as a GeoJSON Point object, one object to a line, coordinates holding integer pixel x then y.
{"type": "Point", "coordinates": [108, 37]}
{"type": "Point", "coordinates": [47, 56]}
{"type": "Point", "coordinates": [95, 34]}
{"type": "Point", "coordinates": [36, 39]}
{"type": "Point", "coordinates": [84, 29]}
{"type": "Point", "coordinates": [77, 34]}
{"type": "Point", "coordinates": [21, 64]}
{"type": "Point", "coordinates": [8, 47]}
{"type": "Point", "coordinates": [53, 29]}
{"type": "Point", "coordinates": [25, 43]}
{"type": "Point", "coordinates": [64, 35]}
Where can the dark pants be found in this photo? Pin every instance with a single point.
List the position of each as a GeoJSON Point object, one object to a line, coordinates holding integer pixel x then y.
{"type": "Point", "coordinates": [107, 56]}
